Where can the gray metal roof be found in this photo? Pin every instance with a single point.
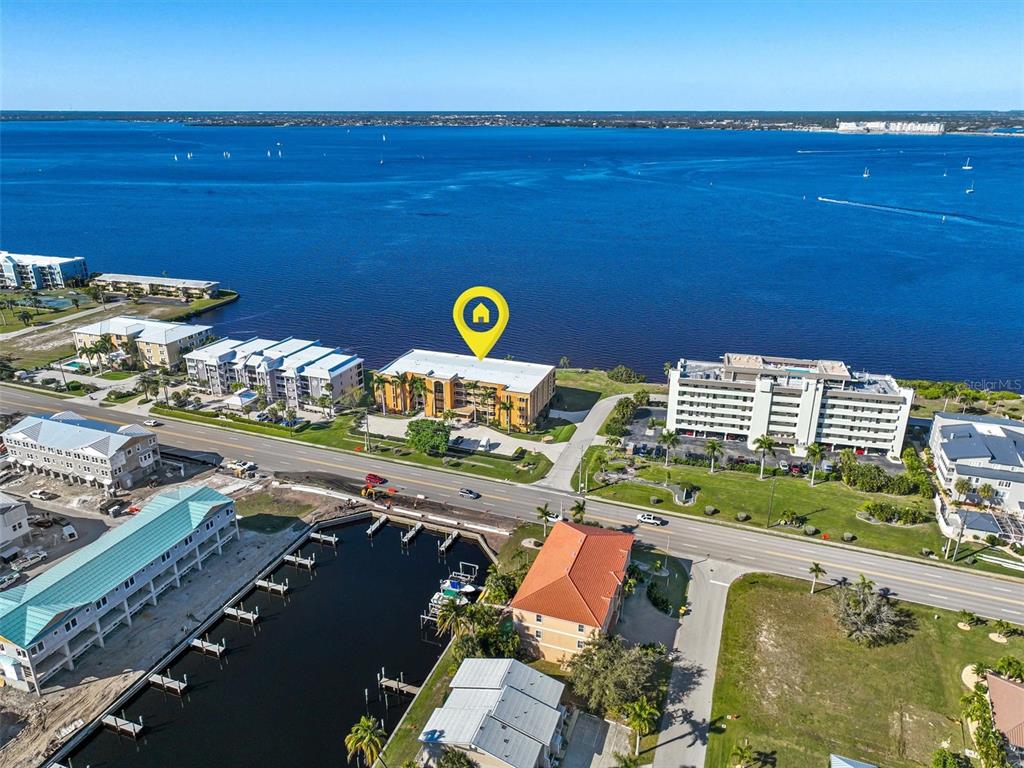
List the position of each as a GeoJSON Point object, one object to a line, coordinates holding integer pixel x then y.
{"type": "Point", "coordinates": [68, 431]}
{"type": "Point", "coordinates": [497, 673]}
{"type": "Point", "coordinates": [507, 744]}
{"type": "Point", "coordinates": [838, 761]}
{"type": "Point", "coordinates": [987, 473]}
{"type": "Point", "coordinates": [512, 707]}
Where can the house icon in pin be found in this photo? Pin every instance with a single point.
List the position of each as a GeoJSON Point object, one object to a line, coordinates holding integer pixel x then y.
{"type": "Point", "coordinates": [481, 314]}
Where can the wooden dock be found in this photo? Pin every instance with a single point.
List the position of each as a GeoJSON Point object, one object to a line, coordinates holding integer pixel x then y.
{"type": "Point", "coordinates": [209, 649]}
{"type": "Point", "coordinates": [122, 726]}
{"type": "Point", "coordinates": [329, 539]}
{"type": "Point", "coordinates": [272, 586]}
{"type": "Point", "coordinates": [169, 684]}
{"type": "Point", "coordinates": [243, 616]}
{"type": "Point", "coordinates": [379, 523]}
{"type": "Point", "coordinates": [298, 561]}
{"type": "Point", "coordinates": [443, 546]}
{"type": "Point", "coordinates": [399, 686]}
{"type": "Point", "coordinates": [410, 535]}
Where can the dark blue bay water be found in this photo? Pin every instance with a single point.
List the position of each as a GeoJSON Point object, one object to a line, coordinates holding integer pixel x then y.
{"type": "Point", "coordinates": [610, 245]}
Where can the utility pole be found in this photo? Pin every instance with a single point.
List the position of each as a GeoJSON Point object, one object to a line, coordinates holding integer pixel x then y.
{"type": "Point", "coordinates": [960, 536]}
{"type": "Point", "coordinates": [771, 500]}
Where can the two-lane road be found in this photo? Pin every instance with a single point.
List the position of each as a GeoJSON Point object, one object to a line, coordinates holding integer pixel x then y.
{"type": "Point", "coordinates": [691, 538]}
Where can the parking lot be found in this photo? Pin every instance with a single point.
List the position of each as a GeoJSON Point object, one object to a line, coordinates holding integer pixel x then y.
{"type": "Point", "coordinates": [735, 448]}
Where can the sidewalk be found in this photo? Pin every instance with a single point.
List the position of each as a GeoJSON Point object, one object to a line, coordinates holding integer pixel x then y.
{"type": "Point", "coordinates": [560, 476]}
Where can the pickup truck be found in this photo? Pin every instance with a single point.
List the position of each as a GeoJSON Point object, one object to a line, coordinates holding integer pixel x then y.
{"type": "Point", "coordinates": [27, 561]}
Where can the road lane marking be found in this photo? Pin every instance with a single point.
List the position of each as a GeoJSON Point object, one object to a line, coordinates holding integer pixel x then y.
{"type": "Point", "coordinates": [906, 579]}
{"type": "Point", "coordinates": [720, 583]}
{"type": "Point", "coordinates": [938, 597]}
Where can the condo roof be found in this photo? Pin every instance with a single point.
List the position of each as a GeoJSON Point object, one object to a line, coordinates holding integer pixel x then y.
{"type": "Point", "coordinates": [576, 574]}
{"type": "Point", "coordinates": [70, 432]}
{"type": "Point", "coordinates": [515, 375]}
{"type": "Point", "coordinates": [494, 674]}
{"type": "Point", "coordinates": [176, 282]}
{"type": "Point", "coordinates": [999, 442]}
{"type": "Point", "coordinates": [143, 329]}
{"type": "Point", "coordinates": [30, 608]}
{"type": "Point", "coordinates": [28, 258]}
{"type": "Point", "coordinates": [227, 350]}
{"type": "Point", "coordinates": [325, 366]}
{"type": "Point", "coordinates": [794, 366]}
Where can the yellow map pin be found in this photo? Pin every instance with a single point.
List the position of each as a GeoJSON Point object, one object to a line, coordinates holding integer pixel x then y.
{"type": "Point", "coordinates": [483, 330]}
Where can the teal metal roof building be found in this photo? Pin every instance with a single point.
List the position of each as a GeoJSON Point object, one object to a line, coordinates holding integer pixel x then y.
{"type": "Point", "coordinates": [30, 609]}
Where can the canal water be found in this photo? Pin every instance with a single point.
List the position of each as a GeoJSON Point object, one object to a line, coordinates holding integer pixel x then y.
{"type": "Point", "coordinates": [287, 694]}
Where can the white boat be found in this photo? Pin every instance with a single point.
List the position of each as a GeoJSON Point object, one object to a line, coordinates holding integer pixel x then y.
{"type": "Point", "coordinates": [227, 155]}
{"type": "Point", "coordinates": [268, 153]}
{"type": "Point", "coordinates": [440, 598]}
{"type": "Point", "coordinates": [175, 158]}
{"type": "Point", "coordinates": [189, 156]}
{"type": "Point", "coordinates": [970, 189]}
{"type": "Point", "coordinates": [967, 166]}
{"type": "Point", "coordinates": [454, 586]}
{"type": "Point", "coordinates": [945, 174]}
{"type": "Point", "coordinates": [866, 173]}
{"type": "Point", "coordinates": [383, 137]}
{"type": "Point", "coordinates": [279, 153]}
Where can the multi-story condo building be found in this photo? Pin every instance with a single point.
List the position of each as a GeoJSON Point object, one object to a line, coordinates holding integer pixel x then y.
{"type": "Point", "coordinates": [20, 270]}
{"type": "Point", "coordinates": [796, 402]}
{"type": "Point", "coordinates": [84, 451]}
{"type": "Point", "coordinates": [157, 286]}
{"type": "Point", "coordinates": [509, 392]}
{"type": "Point", "coordinates": [156, 343]}
{"type": "Point", "coordinates": [573, 591]}
{"type": "Point", "coordinates": [500, 713]}
{"type": "Point", "coordinates": [984, 449]}
{"type": "Point", "coordinates": [13, 523]}
{"type": "Point", "coordinates": [294, 370]}
{"type": "Point", "coordinates": [48, 622]}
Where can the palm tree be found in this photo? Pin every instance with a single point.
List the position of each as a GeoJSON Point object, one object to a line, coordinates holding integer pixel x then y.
{"type": "Point", "coordinates": [451, 618]}
{"type": "Point", "coordinates": [246, 409]}
{"type": "Point", "coordinates": [1002, 628]}
{"type": "Point", "coordinates": [670, 440]}
{"type": "Point", "coordinates": [542, 515]}
{"type": "Point", "coordinates": [962, 487]}
{"type": "Point", "coordinates": [640, 716]}
{"type": "Point", "coordinates": [613, 442]}
{"type": "Point", "coordinates": [449, 415]}
{"type": "Point", "coordinates": [743, 754]}
{"type": "Point", "coordinates": [667, 367]}
{"type": "Point", "coordinates": [379, 383]}
{"type": "Point", "coordinates": [816, 572]}
{"type": "Point", "coordinates": [579, 510]}
{"type": "Point", "coordinates": [764, 444]}
{"type": "Point", "coordinates": [815, 453]}
{"type": "Point", "coordinates": [418, 391]}
{"type": "Point", "coordinates": [76, 302]}
{"type": "Point", "coordinates": [713, 449]}
{"type": "Point", "coordinates": [290, 416]}
{"type": "Point", "coordinates": [563, 362]}
{"type": "Point", "coordinates": [506, 406]}
{"type": "Point", "coordinates": [25, 317]}
{"type": "Point", "coordinates": [987, 492]}
{"type": "Point", "coordinates": [366, 739]}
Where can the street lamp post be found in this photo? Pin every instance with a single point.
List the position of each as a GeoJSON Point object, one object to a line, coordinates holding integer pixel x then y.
{"type": "Point", "coordinates": [771, 500]}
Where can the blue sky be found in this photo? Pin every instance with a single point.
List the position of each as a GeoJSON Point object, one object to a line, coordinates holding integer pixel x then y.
{"type": "Point", "coordinates": [512, 56]}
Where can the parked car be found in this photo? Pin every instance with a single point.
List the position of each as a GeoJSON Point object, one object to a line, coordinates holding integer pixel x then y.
{"type": "Point", "coordinates": [152, 423]}
{"type": "Point", "coordinates": [827, 466]}
{"type": "Point", "coordinates": [646, 518]}
{"type": "Point", "coordinates": [796, 469]}
{"type": "Point", "coordinates": [41, 522]}
{"type": "Point", "coordinates": [784, 466]}
{"type": "Point", "coordinates": [554, 517]}
{"type": "Point", "coordinates": [9, 579]}
{"type": "Point", "coordinates": [372, 479]}
{"type": "Point", "coordinates": [457, 440]}
{"type": "Point", "coordinates": [27, 561]}
{"type": "Point", "coordinates": [468, 493]}
{"type": "Point", "coordinates": [43, 495]}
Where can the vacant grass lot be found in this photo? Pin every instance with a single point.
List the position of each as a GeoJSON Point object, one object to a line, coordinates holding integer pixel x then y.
{"type": "Point", "coordinates": [802, 690]}
{"type": "Point", "coordinates": [578, 389]}
{"type": "Point", "coordinates": [266, 513]}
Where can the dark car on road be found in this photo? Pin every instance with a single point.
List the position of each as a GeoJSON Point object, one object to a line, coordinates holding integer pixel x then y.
{"type": "Point", "coordinates": [372, 479]}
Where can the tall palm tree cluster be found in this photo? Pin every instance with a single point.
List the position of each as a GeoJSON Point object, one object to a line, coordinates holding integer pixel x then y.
{"type": "Point", "coordinates": [869, 617]}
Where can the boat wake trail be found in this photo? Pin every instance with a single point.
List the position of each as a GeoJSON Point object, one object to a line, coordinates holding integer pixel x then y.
{"type": "Point", "coordinates": [923, 214]}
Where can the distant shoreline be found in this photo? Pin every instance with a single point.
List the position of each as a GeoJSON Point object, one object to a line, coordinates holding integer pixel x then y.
{"type": "Point", "coordinates": [956, 123]}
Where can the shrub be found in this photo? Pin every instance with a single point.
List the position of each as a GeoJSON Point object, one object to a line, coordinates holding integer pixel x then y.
{"type": "Point", "coordinates": [625, 375]}
{"type": "Point", "coordinates": [888, 512]}
{"type": "Point", "coordinates": [925, 552]}
{"type": "Point", "coordinates": [657, 599]}
{"type": "Point", "coordinates": [655, 500]}
{"type": "Point", "coordinates": [742, 517]}
{"type": "Point", "coordinates": [847, 536]}
{"type": "Point", "coordinates": [810, 530]}
{"type": "Point", "coordinates": [992, 540]}
{"type": "Point", "coordinates": [47, 382]}
{"type": "Point", "coordinates": [710, 510]}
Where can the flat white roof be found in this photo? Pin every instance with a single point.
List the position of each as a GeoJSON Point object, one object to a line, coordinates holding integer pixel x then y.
{"type": "Point", "coordinates": [292, 356]}
{"type": "Point", "coordinates": [515, 375]}
{"type": "Point", "coordinates": [28, 258]}
{"type": "Point", "coordinates": [143, 329]}
{"type": "Point", "coordinates": [325, 366]}
{"type": "Point", "coordinates": [177, 282]}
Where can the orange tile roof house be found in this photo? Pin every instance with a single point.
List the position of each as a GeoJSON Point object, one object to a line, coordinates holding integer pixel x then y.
{"type": "Point", "coordinates": [1007, 697]}
{"type": "Point", "coordinates": [573, 590]}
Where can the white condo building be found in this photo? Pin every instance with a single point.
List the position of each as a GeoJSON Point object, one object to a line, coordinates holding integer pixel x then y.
{"type": "Point", "coordinates": [983, 449]}
{"type": "Point", "coordinates": [293, 370]}
{"type": "Point", "coordinates": [22, 270]}
{"type": "Point", "coordinates": [797, 402]}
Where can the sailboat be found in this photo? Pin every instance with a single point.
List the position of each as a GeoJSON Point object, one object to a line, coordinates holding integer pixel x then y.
{"type": "Point", "coordinates": [189, 156]}
{"type": "Point", "coordinates": [279, 153]}
{"type": "Point", "coordinates": [227, 155]}
{"type": "Point", "coordinates": [867, 173]}
{"type": "Point", "coordinates": [383, 137]}
{"type": "Point", "coordinates": [175, 158]}
{"type": "Point", "coordinates": [970, 189]}
{"type": "Point", "coordinates": [268, 153]}
{"type": "Point", "coordinates": [967, 166]}
{"type": "Point", "coordinates": [945, 174]}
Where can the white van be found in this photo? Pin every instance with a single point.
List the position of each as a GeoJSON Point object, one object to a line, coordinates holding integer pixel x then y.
{"type": "Point", "coordinates": [69, 533]}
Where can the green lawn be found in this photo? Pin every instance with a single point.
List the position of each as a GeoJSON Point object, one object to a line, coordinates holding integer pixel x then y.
{"type": "Point", "coordinates": [802, 690]}
{"type": "Point", "coordinates": [830, 507]}
{"type": "Point", "coordinates": [40, 390]}
{"type": "Point", "coordinates": [404, 742]}
{"type": "Point", "coordinates": [265, 513]}
{"type": "Point", "coordinates": [113, 398]}
{"type": "Point", "coordinates": [340, 435]}
{"type": "Point", "coordinates": [558, 430]}
{"type": "Point", "coordinates": [578, 389]}
{"type": "Point", "coordinates": [118, 375]}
